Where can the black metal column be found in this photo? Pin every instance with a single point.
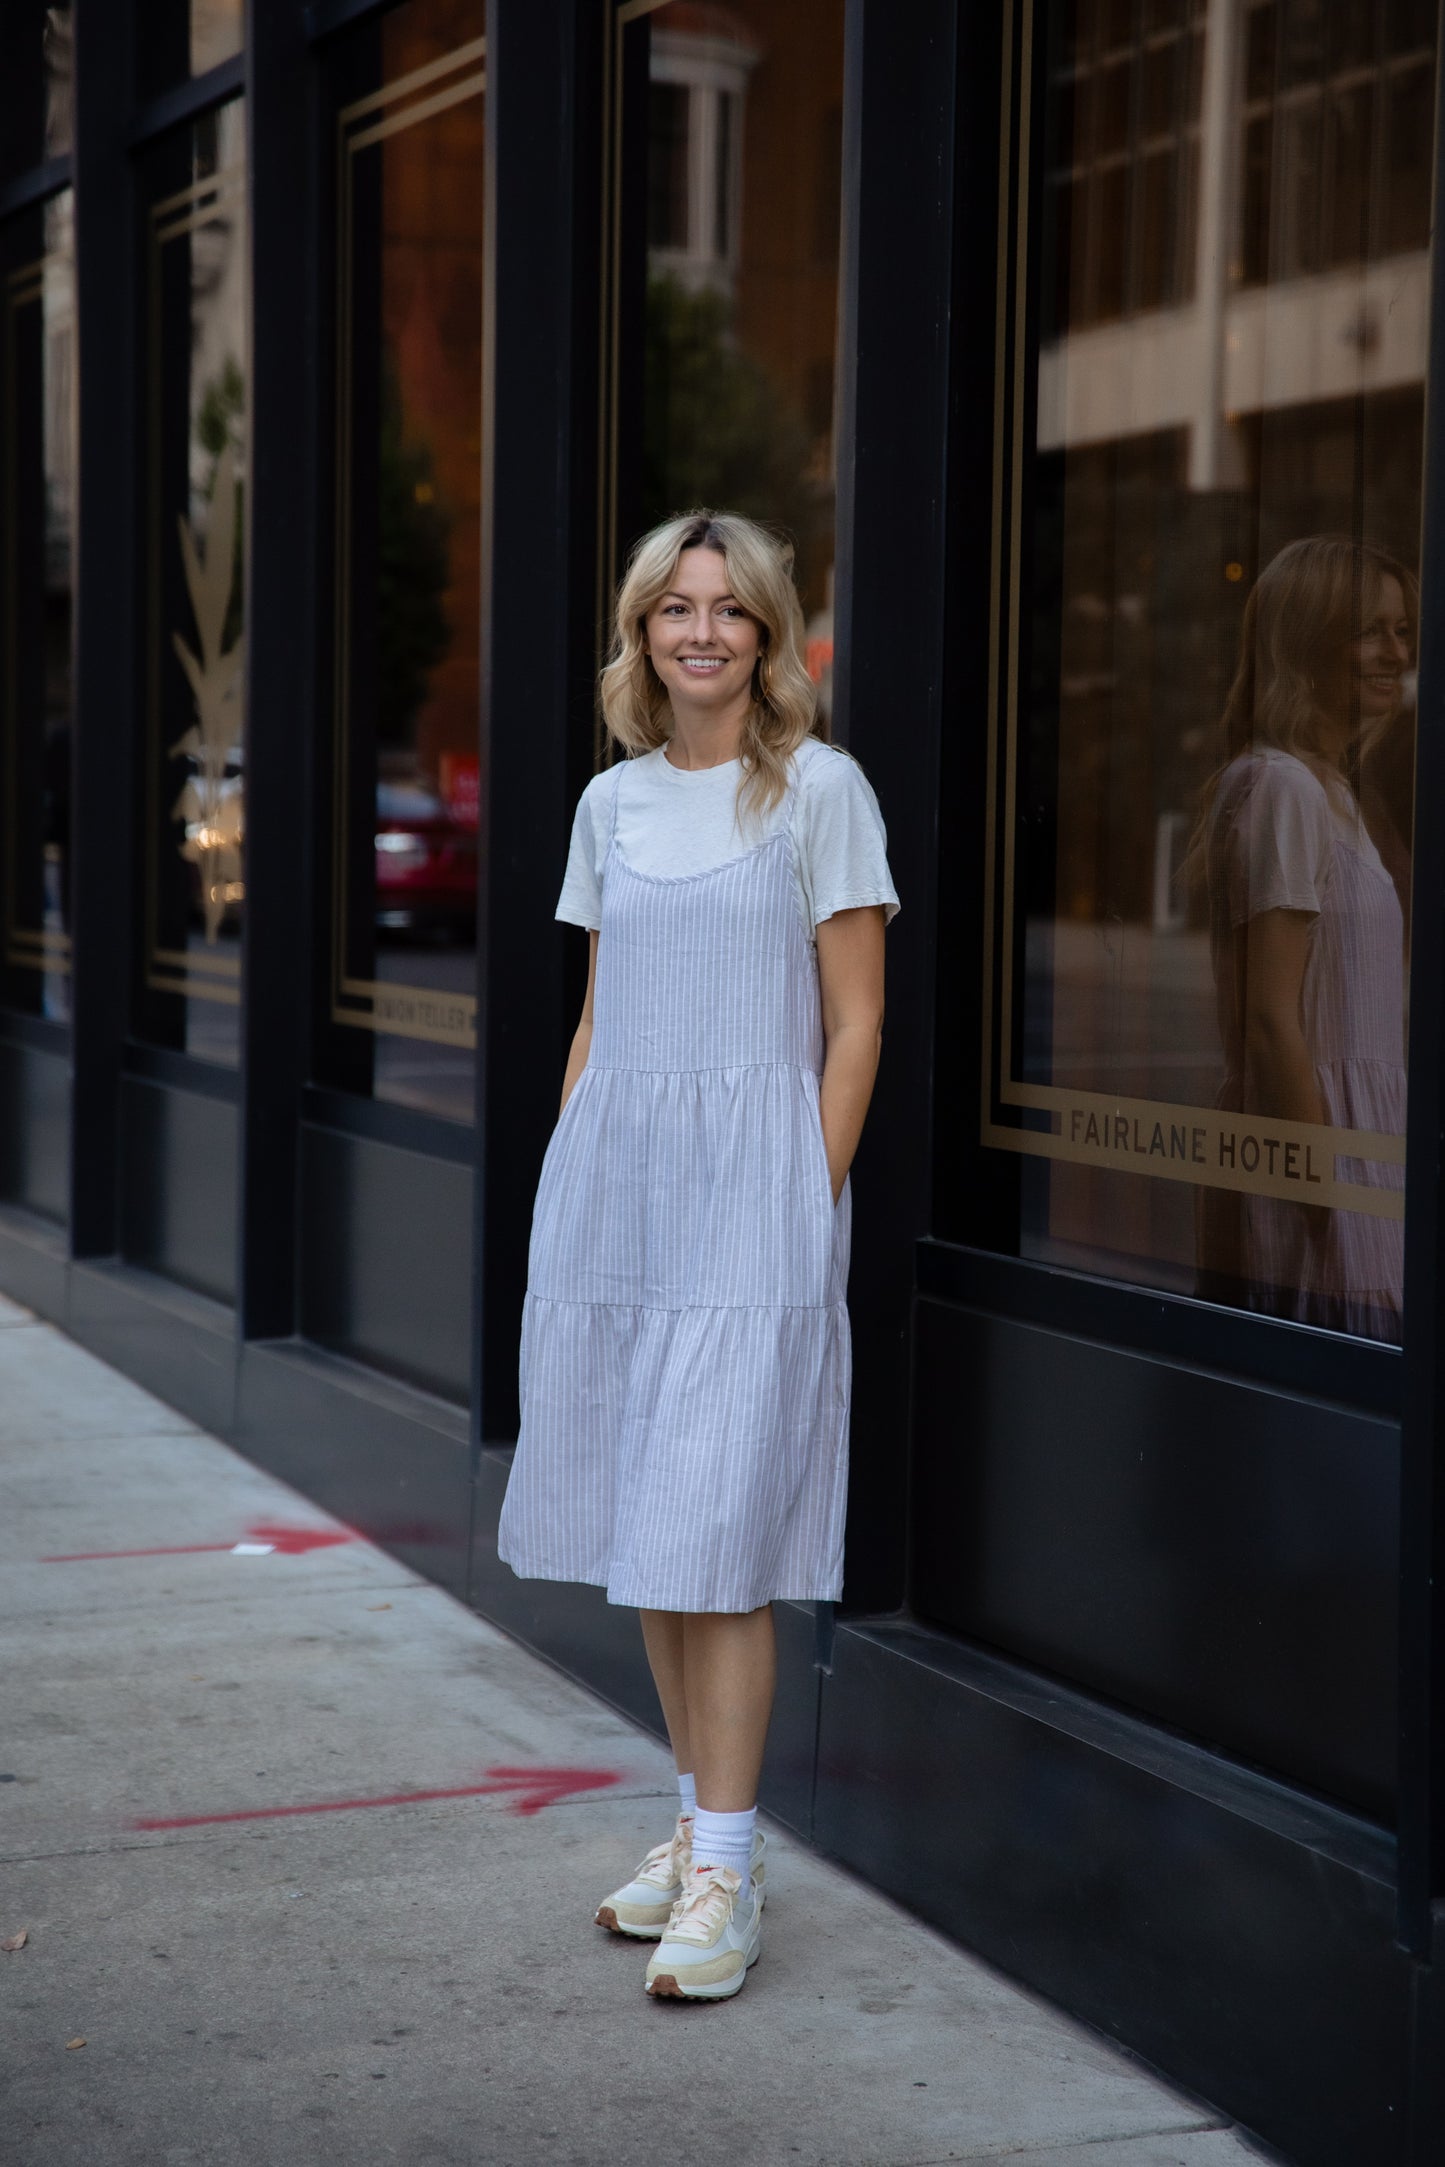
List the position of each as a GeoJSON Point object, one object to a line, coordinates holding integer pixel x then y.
{"type": "Point", "coordinates": [281, 423]}
{"type": "Point", "coordinates": [540, 343]}
{"type": "Point", "coordinates": [892, 430]}
{"type": "Point", "coordinates": [1422, 1499]}
{"type": "Point", "coordinates": [107, 559]}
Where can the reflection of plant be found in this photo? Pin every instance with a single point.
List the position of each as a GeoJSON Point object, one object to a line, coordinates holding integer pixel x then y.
{"type": "Point", "coordinates": [413, 571]}
{"type": "Point", "coordinates": [715, 429]}
{"type": "Point", "coordinates": [219, 421]}
{"type": "Point", "coordinates": [210, 803]}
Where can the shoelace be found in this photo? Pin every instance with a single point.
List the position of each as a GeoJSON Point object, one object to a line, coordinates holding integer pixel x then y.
{"type": "Point", "coordinates": [699, 1912]}
{"type": "Point", "coordinates": [657, 1866]}
{"type": "Point", "coordinates": [668, 1862]}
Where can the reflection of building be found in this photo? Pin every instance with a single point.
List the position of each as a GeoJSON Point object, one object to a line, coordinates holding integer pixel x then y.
{"type": "Point", "coordinates": [1235, 222]}
{"type": "Point", "coordinates": [431, 328]}
{"type": "Point", "coordinates": [745, 150]}
{"type": "Point", "coordinates": [701, 58]}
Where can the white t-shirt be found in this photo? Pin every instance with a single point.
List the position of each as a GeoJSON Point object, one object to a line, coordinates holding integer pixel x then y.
{"type": "Point", "coordinates": [677, 820]}
{"type": "Point", "coordinates": [1281, 825]}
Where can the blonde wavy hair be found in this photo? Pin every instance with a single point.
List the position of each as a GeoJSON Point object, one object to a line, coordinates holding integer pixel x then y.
{"type": "Point", "coordinates": [1309, 601]}
{"type": "Point", "coordinates": [784, 706]}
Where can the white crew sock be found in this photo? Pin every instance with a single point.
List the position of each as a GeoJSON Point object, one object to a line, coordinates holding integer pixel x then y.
{"type": "Point", "coordinates": [686, 1794]}
{"type": "Point", "coordinates": [725, 1839]}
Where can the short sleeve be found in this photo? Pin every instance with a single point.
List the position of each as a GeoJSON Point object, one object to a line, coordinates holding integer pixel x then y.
{"type": "Point", "coordinates": [1281, 841]}
{"type": "Point", "coordinates": [580, 902]}
{"type": "Point", "coordinates": [842, 844]}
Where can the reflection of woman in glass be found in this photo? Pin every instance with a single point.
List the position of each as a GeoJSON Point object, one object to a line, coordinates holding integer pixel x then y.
{"type": "Point", "coordinates": [685, 1340]}
{"type": "Point", "coordinates": [1306, 929]}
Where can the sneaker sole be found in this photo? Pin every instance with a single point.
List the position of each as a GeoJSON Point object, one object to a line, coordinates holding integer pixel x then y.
{"type": "Point", "coordinates": [608, 1917]}
{"type": "Point", "coordinates": [665, 1986]}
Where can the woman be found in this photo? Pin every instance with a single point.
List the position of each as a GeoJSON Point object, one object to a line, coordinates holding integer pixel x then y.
{"type": "Point", "coordinates": [685, 1351]}
{"type": "Point", "coordinates": [1306, 930]}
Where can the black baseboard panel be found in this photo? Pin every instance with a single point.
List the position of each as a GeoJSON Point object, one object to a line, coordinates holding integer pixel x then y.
{"type": "Point", "coordinates": [600, 1644]}
{"type": "Point", "coordinates": [35, 1127]}
{"type": "Point", "coordinates": [178, 1344]}
{"type": "Point", "coordinates": [1235, 1933]}
{"type": "Point", "coordinates": [34, 1269]}
{"type": "Point", "coordinates": [390, 1461]}
{"type": "Point", "coordinates": [1211, 1552]}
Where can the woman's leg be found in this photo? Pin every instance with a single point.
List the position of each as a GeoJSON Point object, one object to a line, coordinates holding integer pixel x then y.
{"type": "Point", "coordinates": [662, 1636]}
{"type": "Point", "coordinates": [729, 1673]}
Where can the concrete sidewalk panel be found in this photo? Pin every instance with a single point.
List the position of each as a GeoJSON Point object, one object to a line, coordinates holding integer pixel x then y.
{"type": "Point", "coordinates": [420, 1982]}
{"type": "Point", "coordinates": [54, 1391]}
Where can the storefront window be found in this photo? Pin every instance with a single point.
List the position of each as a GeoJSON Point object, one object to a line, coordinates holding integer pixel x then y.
{"type": "Point", "coordinates": [35, 76]}
{"type": "Point", "coordinates": [193, 799]}
{"type": "Point", "coordinates": [726, 276]}
{"type": "Point", "coordinates": [177, 38]}
{"type": "Point", "coordinates": [1208, 508]}
{"type": "Point", "coordinates": [37, 476]}
{"type": "Point", "coordinates": [405, 747]}
{"type": "Point", "coordinates": [218, 32]}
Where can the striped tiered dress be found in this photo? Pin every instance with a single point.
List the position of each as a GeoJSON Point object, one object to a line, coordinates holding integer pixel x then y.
{"type": "Point", "coordinates": [685, 1346]}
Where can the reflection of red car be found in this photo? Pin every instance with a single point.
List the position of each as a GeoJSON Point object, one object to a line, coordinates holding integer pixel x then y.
{"type": "Point", "coordinates": [426, 864]}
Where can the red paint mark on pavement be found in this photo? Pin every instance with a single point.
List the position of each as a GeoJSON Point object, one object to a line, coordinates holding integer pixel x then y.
{"type": "Point", "coordinates": [294, 1542]}
{"type": "Point", "coordinates": [533, 1788]}
{"type": "Point", "coordinates": [284, 1538]}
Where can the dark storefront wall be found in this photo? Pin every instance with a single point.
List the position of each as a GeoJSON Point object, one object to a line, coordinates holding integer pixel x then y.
{"type": "Point", "coordinates": [1113, 1691]}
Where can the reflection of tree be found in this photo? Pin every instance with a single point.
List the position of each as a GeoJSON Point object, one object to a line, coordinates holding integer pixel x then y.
{"type": "Point", "coordinates": [412, 574]}
{"type": "Point", "coordinates": [715, 430]}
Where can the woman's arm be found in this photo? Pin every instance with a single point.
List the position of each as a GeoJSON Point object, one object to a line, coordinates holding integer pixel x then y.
{"type": "Point", "coordinates": [1278, 1060]}
{"type": "Point", "coordinates": [850, 974]}
{"type": "Point", "coordinates": [582, 1036]}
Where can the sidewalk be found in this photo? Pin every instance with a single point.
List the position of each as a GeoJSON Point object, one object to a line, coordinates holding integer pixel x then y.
{"type": "Point", "coordinates": [404, 1969]}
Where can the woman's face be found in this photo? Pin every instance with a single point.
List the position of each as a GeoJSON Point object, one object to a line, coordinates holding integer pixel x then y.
{"type": "Point", "coordinates": [703, 644]}
{"type": "Point", "coordinates": [1367, 684]}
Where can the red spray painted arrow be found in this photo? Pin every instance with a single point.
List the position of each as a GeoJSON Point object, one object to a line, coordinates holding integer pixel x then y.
{"type": "Point", "coordinates": [532, 1788]}
{"type": "Point", "coordinates": [287, 1540]}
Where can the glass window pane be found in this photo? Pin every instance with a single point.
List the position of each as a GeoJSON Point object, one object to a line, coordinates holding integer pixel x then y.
{"type": "Point", "coordinates": [180, 38]}
{"type": "Point", "coordinates": [1300, 133]}
{"type": "Point", "coordinates": [35, 73]}
{"type": "Point", "coordinates": [729, 363]}
{"type": "Point", "coordinates": [405, 746]}
{"type": "Point", "coordinates": [1410, 25]}
{"type": "Point", "coordinates": [218, 32]}
{"type": "Point", "coordinates": [193, 802]}
{"type": "Point", "coordinates": [1302, 42]}
{"type": "Point", "coordinates": [1351, 190]}
{"type": "Point", "coordinates": [1405, 223]}
{"type": "Point", "coordinates": [1205, 740]}
{"type": "Point", "coordinates": [667, 190]}
{"type": "Point", "coordinates": [1261, 47]}
{"type": "Point", "coordinates": [1120, 151]}
{"type": "Point", "coordinates": [1256, 192]}
{"type": "Point", "coordinates": [37, 477]}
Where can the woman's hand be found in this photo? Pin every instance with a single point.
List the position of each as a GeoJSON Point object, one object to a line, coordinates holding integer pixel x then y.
{"type": "Point", "coordinates": [850, 976]}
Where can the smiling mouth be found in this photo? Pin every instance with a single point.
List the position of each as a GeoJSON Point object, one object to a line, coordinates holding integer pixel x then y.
{"type": "Point", "coordinates": [701, 665]}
